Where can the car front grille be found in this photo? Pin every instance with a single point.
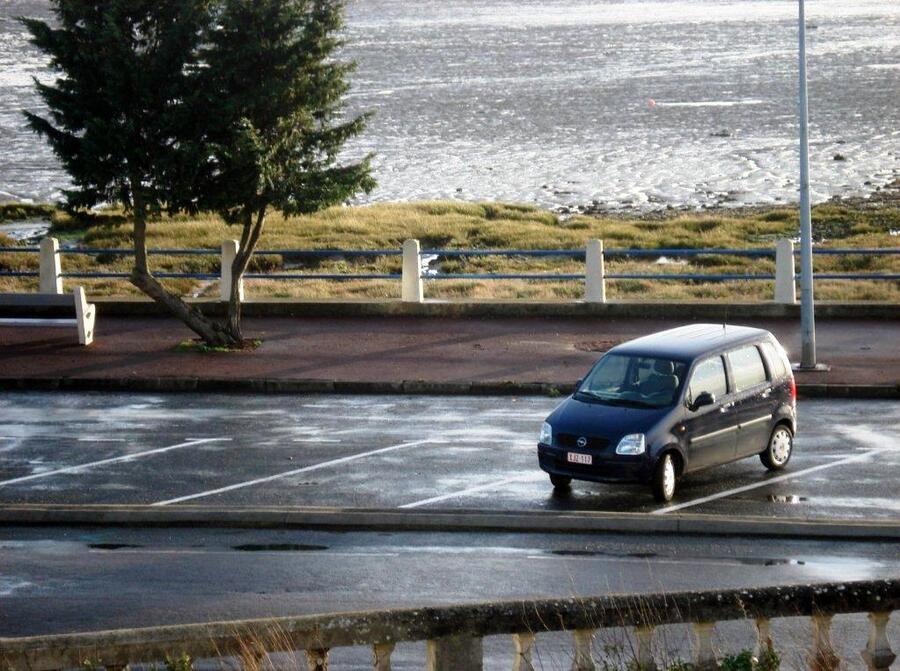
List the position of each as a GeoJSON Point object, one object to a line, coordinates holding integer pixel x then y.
{"type": "Point", "coordinates": [570, 440]}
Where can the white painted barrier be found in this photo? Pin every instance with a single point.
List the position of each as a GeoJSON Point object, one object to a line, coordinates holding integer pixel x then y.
{"type": "Point", "coordinates": [411, 283]}
{"type": "Point", "coordinates": [595, 273]}
{"type": "Point", "coordinates": [785, 287]}
{"type": "Point", "coordinates": [229, 251]}
{"type": "Point", "coordinates": [51, 269]}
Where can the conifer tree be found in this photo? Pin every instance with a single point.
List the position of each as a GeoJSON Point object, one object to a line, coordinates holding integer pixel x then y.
{"type": "Point", "coordinates": [121, 114]}
{"type": "Point", "coordinates": [173, 105]}
{"type": "Point", "coordinates": [277, 119]}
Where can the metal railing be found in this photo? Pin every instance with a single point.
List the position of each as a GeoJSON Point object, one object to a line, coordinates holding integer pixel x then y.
{"type": "Point", "coordinates": [415, 262]}
{"type": "Point", "coordinates": [455, 634]}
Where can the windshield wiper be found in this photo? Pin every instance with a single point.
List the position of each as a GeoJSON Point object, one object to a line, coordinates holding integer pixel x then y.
{"type": "Point", "coordinates": [612, 400]}
{"type": "Point", "coordinates": [592, 394]}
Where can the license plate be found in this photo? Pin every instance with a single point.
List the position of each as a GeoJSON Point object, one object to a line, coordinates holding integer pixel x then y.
{"type": "Point", "coordinates": [575, 458]}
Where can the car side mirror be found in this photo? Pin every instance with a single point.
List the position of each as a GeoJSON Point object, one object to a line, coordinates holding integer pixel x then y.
{"type": "Point", "coordinates": [578, 382]}
{"type": "Point", "coordinates": [703, 399]}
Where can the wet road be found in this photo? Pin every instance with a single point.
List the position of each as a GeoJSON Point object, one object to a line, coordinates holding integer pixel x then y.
{"type": "Point", "coordinates": [410, 452]}
{"type": "Point", "coordinates": [59, 580]}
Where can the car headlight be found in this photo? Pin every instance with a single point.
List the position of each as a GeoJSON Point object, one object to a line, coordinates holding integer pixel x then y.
{"type": "Point", "coordinates": [546, 436]}
{"type": "Point", "coordinates": [633, 443]}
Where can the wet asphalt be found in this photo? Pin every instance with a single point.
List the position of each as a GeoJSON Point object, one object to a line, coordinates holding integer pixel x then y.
{"type": "Point", "coordinates": [396, 451]}
{"type": "Point", "coordinates": [64, 580]}
{"type": "Point", "coordinates": [429, 453]}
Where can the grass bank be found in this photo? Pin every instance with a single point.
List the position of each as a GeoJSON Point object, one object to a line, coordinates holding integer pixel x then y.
{"type": "Point", "coordinates": [494, 225]}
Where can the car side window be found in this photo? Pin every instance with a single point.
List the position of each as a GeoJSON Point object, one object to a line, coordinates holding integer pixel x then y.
{"type": "Point", "coordinates": [746, 367]}
{"type": "Point", "coordinates": [775, 360]}
{"type": "Point", "coordinates": [709, 375]}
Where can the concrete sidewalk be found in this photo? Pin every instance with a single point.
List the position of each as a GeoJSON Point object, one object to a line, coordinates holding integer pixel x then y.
{"type": "Point", "coordinates": [381, 353]}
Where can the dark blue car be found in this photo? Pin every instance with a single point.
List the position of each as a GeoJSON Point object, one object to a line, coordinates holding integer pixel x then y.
{"type": "Point", "coordinates": [659, 407]}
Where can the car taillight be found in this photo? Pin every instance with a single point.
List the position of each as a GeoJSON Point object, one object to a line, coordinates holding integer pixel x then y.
{"type": "Point", "coordinates": [793, 390]}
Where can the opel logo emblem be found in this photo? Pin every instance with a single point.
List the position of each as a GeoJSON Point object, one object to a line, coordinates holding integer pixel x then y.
{"type": "Point", "coordinates": [581, 442]}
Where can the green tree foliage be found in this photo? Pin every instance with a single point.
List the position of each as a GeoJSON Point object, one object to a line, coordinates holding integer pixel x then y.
{"type": "Point", "coordinates": [171, 105]}
{"type": "Point", "coordinates": [277, 124]}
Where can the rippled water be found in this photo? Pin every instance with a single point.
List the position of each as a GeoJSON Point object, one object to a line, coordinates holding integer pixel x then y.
{"type": "Point", "coordinates": [550, 101]}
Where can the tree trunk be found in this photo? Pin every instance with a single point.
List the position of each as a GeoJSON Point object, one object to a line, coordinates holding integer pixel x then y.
{"type": "Point", "coordinates": [213, 334]}
{"type": "Point", "coordinates": [249, 239]}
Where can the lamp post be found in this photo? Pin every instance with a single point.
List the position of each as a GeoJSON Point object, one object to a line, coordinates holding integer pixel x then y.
{"type": "Point", "coordinates": [807, 310]}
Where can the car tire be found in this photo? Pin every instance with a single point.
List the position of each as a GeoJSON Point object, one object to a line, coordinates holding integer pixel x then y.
{"type": "Point", "coordinates": [664, 479]}
{"type": "Point", "coordinates": [560, 481]}
{"type": "Point", "coordinates": [779, 449]}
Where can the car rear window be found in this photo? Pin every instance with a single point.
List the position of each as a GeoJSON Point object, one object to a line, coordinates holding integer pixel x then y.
{"type": "Point", "coordinates": [746, 367]}
{"type": "Point", "coordinates": [708, 376]}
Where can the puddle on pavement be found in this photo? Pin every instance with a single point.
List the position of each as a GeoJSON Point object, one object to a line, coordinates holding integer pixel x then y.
{"type": "Point", "coordinates": [750, 561]}
{"type": "Point", "coordinates": [786, 498]}
{"type": "Point", "coordinates": [278, 547]}
{"type": "Point", "coordinates": [762, 561]}
{"type": "Point", "coordinates": [599, 553]}
{"type": "Point", "coordinates": [113, 546]}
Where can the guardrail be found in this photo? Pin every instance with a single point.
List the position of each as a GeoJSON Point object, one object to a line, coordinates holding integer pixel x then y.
{"type": "Point", "coordinates": [415, 260]}
{"type": "Point", "coordinates": [454, 634]}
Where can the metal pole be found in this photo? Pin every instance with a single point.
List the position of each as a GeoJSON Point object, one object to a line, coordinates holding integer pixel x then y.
{"type": "Point", "coordinates": [807, 309]}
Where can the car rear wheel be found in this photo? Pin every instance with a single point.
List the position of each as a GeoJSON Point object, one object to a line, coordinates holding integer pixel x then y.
{"type": "Point", "coordinates": [778, 452]}
{"type": "Point", "coordinates": [560, 481]}
{"type": "Point", "coordinates": [664, 479]}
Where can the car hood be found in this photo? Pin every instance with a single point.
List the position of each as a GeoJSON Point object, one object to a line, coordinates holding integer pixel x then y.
{"type": "Point", "coordinates": [598, 419]}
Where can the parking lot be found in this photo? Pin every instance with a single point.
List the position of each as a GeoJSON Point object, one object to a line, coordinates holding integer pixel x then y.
{"type": "Point", "coordinates": [402, 452]}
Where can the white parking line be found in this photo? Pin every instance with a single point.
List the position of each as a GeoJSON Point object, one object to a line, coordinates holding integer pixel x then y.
{"type": "Point", "coordinates": [472, 490]}
{"type": "Point", "coordinates": [296, 471]}
{"type": "Point", "coordinates": [101, 440]}
{"type": "Point", "coordinates": [765, 483]}
{"type": "Point", "coordinates": [307, 553]}
{"type": "Point", "coordinates": [114, 460]}
{"type": "Point", "coordinates": [316, 440]}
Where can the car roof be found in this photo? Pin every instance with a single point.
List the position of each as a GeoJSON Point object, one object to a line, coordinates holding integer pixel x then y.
{"type": "Point", "coordinates": [689, 342]}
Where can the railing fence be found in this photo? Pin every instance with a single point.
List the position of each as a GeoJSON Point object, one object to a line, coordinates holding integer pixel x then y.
{"type": "Point", "coordinates": [454, 634]}
{"type": "Point", "coordinates": [414, 273]}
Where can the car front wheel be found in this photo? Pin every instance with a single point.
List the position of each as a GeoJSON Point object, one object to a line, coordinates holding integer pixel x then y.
{"type": "Point", "coordinates": [778, 452]}
{"type": "Point", "coordinates": [664, 479]}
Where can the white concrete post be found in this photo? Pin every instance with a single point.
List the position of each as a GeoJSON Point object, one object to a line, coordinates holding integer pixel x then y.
{"type": "Point", "coordinates": [229, 251]}
{"type": "Point", "coordinates": [51, 268]}
{"type": "Point", "coordinates": [785, 287]}
{"type": "Point", "coordinates": [704, 654]}
{"type": "Point", "coordinates": [381, 656]}
{"type": "Point", "coordinates": [878, 654]}
{"type": "Point", "coordinates": [317, 659]}
{"type": "Point", "coordinates": [583, 659]}
{"type": "Point", "coordinates": [454, 653]}
{"type": "Point", "coordinates": [595, 273]}
{"type": "Point", "coordinates": [822, 656]}
{"type": "Point", "coordinates": [524, 659]}
{"type": "Point", "coordinates": [644, 657]}
{"type": "Point", "coordinates": [763, 636]}
{"type": "Point", "coordinates": [411, 281]}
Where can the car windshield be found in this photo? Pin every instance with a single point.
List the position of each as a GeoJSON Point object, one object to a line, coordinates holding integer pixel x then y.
{"type": "Point", "coordinates": [638, 381]}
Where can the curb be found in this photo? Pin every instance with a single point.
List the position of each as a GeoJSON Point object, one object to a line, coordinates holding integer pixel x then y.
{"type": "Point", "coordinates": [410, 387]}
{"type": "Point", "coordinates": [432, 521]}
{"type": "Point", "coordinates": [431, 308]}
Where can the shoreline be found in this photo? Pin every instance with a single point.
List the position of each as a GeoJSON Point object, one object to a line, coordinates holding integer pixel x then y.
{"type": "Point", "coordinates": [887, 195]}
{"type": "Point", "coordinates": [879, 197]}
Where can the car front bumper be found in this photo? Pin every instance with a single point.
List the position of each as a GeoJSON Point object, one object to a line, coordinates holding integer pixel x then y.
{"type": "Point", "coordinates": [605, 468]}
